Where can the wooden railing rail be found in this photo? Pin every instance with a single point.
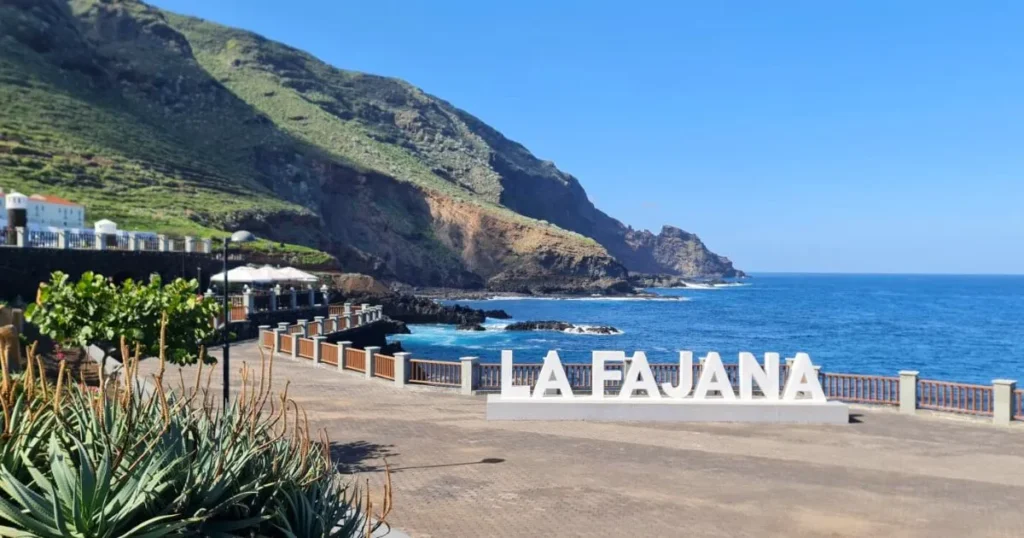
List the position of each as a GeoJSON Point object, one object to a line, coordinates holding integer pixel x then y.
{"type": "Point", "coordinates": [443, 373]}
{"type": "Point", "coordinates": [267, 339]}
{"type": "Point", "coordinates": [305, 348]}
{"type": "Point", "coordinates": [384, 366]}
{"type": "Point", "coordinates": [355, 359]}
{"type": "Point", "coordinates": [286, 343]}
{"type": "Point", "coordinates": [329, 353]}
{"type": "Point", "coordinates": [954, 397]}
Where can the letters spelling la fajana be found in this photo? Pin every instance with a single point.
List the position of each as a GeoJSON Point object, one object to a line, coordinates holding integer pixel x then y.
{"type": "Point", "coordinates": [801, 383]}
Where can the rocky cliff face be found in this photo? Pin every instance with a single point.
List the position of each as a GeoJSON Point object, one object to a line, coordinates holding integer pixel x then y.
{"type": "Point", "coordinates": [217, 128]}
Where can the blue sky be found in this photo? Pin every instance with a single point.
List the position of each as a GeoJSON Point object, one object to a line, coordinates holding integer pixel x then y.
{"type": "Point", "coordinates": [869, 136]}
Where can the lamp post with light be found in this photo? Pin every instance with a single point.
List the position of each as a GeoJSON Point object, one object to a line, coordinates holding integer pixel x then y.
{"type": "Point", "coordinates": [240, 236]}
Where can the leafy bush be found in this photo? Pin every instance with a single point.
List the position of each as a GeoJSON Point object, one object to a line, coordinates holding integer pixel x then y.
{"type": "Point", "coordinates": [122, 461]}
{"type": "Point", "coordinates": [95, 311]}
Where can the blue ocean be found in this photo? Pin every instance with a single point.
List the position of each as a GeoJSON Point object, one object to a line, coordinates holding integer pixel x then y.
{"type": "Point", "coordinates": [957, 328]}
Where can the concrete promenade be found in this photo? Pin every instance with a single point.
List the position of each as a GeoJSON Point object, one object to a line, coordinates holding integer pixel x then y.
{"type": "Point", "coordinates": [457, 475]}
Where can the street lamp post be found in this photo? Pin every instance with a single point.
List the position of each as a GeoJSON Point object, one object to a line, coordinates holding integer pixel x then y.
{"type": "Point", "coordinates": [240, 236]}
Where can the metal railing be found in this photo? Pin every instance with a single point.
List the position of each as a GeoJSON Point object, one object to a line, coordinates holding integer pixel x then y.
{"type": "Point", "coordinates": [443, 373]}
{"type": "Point", "coordinates": [355, 359]}
{"type": "Point", "coordinates": [954, 397]}
{"type": "Point", "coordinates": [862, 388]}
{"type": "Point", "coordinates": [80, 240]}
{"type": "Point", "coordinates": [384, 366]}
{"type": "Point", "coordinates": [43, 239]}
{"type": "Point", "coordinates": [329, 353]}
{"type": "Point", "coordinates": [305, 348]}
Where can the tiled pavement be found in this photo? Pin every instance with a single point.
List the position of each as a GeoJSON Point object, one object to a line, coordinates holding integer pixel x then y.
{"type": "Point", "coordinates": [455, 474]}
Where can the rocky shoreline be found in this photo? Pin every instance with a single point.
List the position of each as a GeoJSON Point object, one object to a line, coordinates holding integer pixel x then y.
{"type": "Point", "coordinates": [562, 326]}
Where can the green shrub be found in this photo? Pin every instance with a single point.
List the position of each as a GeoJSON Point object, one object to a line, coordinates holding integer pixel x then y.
{"type": "Point", "coordinates": [121, 461]}
{"type": "Point", "coordinates": [95, 311]}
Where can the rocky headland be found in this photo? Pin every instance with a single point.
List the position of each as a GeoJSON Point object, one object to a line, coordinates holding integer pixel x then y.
{"type": "Point", "coordinates": [562, 326]}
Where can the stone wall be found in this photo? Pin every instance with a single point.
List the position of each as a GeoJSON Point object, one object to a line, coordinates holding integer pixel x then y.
{"type": "Point", "coordinates": [22, 269]}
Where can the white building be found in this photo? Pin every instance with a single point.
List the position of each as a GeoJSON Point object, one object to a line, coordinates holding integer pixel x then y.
{"type": "Point", "coordinates": [46, 211]}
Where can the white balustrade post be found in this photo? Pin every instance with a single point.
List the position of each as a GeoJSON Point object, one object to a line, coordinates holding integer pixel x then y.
{"type": "Point", "coordinates": [133, 242]}
{"type": "Point", "coordinates": [469, 370]}
{"type": "Point", "coordinates": [402, 368]}
{"type": "Point", "coordinates": [1002, 401]}
{"type": "Point", "coordinates": [100, 242]}
{"type": "Point", "coordinates": [348, 309]}
{"type": "Point", "coordinates": [259, 333]}
{"type": "Point", "coordinates": [161, 241]}
{"type": "Point", "coordinates": [208, 245]}
{"type": "Point", "coordinates": [248, 301]}
{"type": "Point", "coordinates": [343, 353]}
{"type": "Point", "coordinates": [360, 318]}
{"type": "Point", "coordinates": [295, 298]}
{"type": "Point", "coordinates": [908, 391]}
{"type": "Point", "coordinates": [318, 353]}
{"type": "Point", "coordinates": [365, 307]}
{"type": "Point", "coordinates": [337, 323]}
{"type": "Point", "coordinates": [190, 243]}
{"type": "Point", "coordinates": [304, 324]}
{"type": "Point", "coordinates": [370, 363]}
{"type": "Point", "coordinates": [277, 338]}
{"type": "Point", "coordinates": [275, 293]}
{"type": "Point", "coordinates": [62, 239]}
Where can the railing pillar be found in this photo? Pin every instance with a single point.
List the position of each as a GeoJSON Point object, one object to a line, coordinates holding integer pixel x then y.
{"type": "Point", "coordinates": [402, 368]}
{"type": "Point", "coordinates": [370, 363]}
{"type": "Point", "coordinates": [260, 330]}
{"type": "Point", "coordinates": [470, 367]}
{"type": "Point", "coordinates": [324, 292]}
{"type": "Point", "coordinates": [277, 338]}
{"type": "Point", "coordinates": [343, 353]}
{"type": "Point", "coordinates": [161, 241]}
{"type": "Point", "coordinates": [190, 243]}
{"type": "Point", "coordinates": [295, 298]}
{"type": "Point", "coordinates": [19, 237]}
{"type": "Point", "coordinates": [318, 349]}
{"type": "Point", "coordinates": [207, 245]}
{"type": "Point", "coordinates": [1002, 401]}
{"type": "Point", "coordinates": [249, 302]}
{"type": "Point", "coordinates": [304, 324]}
{"type": "Point", "coordinates": [337, 323]}
{"type": "Point", "coordinates": [100, 241]}
{"type": "Point", "coordinates": [908, 391]}
{"type": "Point", "coordinates": [275, 292]}
{"type": "Point", "coordinates": [348, 309]}
{"type": "Point", "coordinates": [133, 242]}
{"type": "Point", "coordinates": [62, 239]}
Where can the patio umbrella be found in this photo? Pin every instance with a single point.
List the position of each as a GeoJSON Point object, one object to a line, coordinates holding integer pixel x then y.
{"type": "Point", "coordinates": [291, 274]}
{"type": "Point", "coordinates": [241, 275]}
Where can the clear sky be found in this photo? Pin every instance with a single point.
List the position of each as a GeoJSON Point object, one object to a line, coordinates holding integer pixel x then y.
{"type": "Point", "coordinates": [857, 136]}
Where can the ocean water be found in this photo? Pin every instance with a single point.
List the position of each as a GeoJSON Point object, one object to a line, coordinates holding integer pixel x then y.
{"type": "Point", "coordinates": [959, 328]}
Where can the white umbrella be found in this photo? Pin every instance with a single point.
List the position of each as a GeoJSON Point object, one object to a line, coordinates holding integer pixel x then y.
{"type": "Point", "coordinates": [241, 275]}
{"type": "Point", "coordinates": [291, 274]}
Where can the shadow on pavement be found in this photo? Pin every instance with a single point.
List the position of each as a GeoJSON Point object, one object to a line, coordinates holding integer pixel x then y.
{"type": "Point", "coordinates": [360, 456]}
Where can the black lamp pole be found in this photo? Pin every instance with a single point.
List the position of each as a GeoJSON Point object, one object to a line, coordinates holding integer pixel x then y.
{"type": "Point", "coordinates": [224, 328]}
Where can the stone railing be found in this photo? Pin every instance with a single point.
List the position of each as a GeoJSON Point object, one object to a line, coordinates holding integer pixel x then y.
{"type": "Point", "coordinates": [1001, 401]}
{"type": "Point", "coordinates": [122, 241]}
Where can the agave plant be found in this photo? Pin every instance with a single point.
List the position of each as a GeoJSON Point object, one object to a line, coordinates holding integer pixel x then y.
{"type": "Point", "coordinates": [123, 461]}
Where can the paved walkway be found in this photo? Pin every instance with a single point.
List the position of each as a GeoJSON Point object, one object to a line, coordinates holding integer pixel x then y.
{"type": "Point", "coordinates": [455, 474]}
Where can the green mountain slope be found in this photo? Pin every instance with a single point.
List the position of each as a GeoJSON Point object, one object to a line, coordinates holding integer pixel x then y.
{"type": "Point", "coordinates": [170, 122]}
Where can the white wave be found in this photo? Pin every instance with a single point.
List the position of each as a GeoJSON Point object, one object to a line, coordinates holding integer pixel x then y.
{"type": "Point", "coordinates": [703, 286]}
{"type": "Point", "coordinates": [587, 329]}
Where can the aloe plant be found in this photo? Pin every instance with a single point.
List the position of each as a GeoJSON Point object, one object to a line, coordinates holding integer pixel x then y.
{"type": "Point", "coordinates": [120, 461]}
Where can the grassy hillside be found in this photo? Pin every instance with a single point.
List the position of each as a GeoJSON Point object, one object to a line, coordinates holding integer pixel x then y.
{"type": "Point", "coordinates": [166, 122]}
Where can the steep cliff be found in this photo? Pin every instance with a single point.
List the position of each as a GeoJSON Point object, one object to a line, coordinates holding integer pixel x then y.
{"type": "Point", "coordinates": [165, 121]}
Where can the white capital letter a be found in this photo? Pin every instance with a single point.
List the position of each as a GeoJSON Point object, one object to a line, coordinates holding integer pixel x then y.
{"type": "Point", "coordinates": [803, 378]}
{"type": "Point", "coordinates": [552, 368]}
